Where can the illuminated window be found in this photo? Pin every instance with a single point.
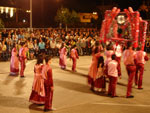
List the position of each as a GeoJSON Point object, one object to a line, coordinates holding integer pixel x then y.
{"type": "Point", "coordinates": [2, 10]}
{"type": "Point", "coordinates": [11, 12]}
{"type": "Point", "coordinates": [6, 9]}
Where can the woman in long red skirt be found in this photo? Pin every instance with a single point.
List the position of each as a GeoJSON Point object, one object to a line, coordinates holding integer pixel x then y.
{"type": "Point", "coordinates": [14, 62]}
{"type": "Point", "coordinates": [93, 68]}
{"type": "Point", "coordinates": [63, 57]}
{"type": "Point", "coordinates": [38, 92]}
{"type": "Point", "coordinates": [48, 84]}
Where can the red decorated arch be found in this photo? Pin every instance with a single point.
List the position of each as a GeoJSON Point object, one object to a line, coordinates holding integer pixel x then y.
{"type": "Point", "coordinates": [123, 26]}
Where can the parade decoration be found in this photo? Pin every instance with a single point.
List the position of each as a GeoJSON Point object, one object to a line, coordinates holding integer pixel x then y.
{"type": "Point", "coordinates": [123, 27]}
{"type": "Point", "coordinates": [142, 33]}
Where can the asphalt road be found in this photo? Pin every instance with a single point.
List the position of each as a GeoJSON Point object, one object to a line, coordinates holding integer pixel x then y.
{"type": "Point", "coordinates": [71, 92]}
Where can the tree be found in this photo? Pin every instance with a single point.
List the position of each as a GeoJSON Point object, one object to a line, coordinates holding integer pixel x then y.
{"type": "Point", "coordinates": [63, 16]}
{"type": "Point", "coordinates": [74, 19]}
{"type": "Point", "coordinates": [93, 22]}
{"type": "Point", "coordinates": [1, 23]}
{"type": "Point", "coordinates": [144, 10]}
{"type": "Point", "coordinates": [66, 17]}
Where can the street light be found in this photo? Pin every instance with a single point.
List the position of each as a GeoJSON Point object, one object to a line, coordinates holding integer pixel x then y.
{"type": "Point", "coordinates": [94, 13]}
{"type": "Point", "coordinates": [30, 14]}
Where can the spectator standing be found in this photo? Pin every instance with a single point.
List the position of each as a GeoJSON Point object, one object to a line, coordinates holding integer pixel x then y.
{"type": "Point", "coordinates": [36, 48]}
{"type": "Point", "coordinates": [41, 46]}
{"type": "Point", "coordinates": [31, 49]}
{"type": "Point", "coordinates": [15, 37]}
{"type": "Point", "coordinates": [21, 36]}
{"type": "Point", "coordinates": [4, 51]}
{"type": "Point", "coordinates": [53, 46]}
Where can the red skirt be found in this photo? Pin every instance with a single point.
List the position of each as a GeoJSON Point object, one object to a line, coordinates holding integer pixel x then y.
{"type": "Point", "coordinates": [36, 98]}
{"type": "Point", "coordinates": [98, 83]}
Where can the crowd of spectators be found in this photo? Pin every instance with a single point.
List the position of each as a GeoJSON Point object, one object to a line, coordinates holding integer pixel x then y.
{"type": "Point", "coordinates": [47, 41]}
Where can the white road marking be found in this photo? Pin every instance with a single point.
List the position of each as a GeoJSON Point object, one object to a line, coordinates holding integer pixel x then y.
{"type": "Point", "coordinates": [130, 105]}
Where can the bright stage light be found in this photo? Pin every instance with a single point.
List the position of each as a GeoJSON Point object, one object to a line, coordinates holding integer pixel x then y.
{"type": "Point", "coordinates": [6, 9]}
{"type": "Point", "coordinates": [2, 10]}
{"type": "Point", "coordinates": [11, 12]}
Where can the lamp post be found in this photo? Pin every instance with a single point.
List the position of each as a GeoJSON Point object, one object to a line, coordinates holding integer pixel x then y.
{"type": "Point", "coordinates": [30, 14]}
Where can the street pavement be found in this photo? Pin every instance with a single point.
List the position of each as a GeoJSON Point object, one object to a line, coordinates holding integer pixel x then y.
{"type": "Point", "coordinates": [71, 91]}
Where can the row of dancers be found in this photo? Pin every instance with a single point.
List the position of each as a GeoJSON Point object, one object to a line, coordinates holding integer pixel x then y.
{"type": "Point", "coordinates": [21, 57]}
{"type": "Point", "coordinates": [110, 68]}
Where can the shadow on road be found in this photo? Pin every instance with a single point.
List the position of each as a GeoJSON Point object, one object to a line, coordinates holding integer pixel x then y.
{"type": "Point", "coordinates": [76, 73]}
{"type": "Point", "coordinates": [73, 86]}
{"type": "Point", "coordinates": [85, 75]}
{"type": "Point", "coordinates": [77, 87]}
{"type": "Point", "coordinates": [9, 79]}
{"type": "Point", "coordinates": [19, 86]}
{"type": "Point", "coordinates": [35, 107]}
{"type": "Point", "coordinates": [16, 102]}
{"type": "Point", "coordinates": [5, 73]}
{"type": "Point", "coordinates": [83, 68]}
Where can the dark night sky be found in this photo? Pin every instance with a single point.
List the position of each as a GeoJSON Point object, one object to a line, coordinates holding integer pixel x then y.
{"type": "Point", "coordinates": [84, 5]}
{"type": "Point", "coordinates": [45, 10]}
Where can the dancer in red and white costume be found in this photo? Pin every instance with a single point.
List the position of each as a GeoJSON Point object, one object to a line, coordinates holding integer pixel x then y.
{"type": "Point", "coordinates": [109, 52]}
{"type": "Point", "coordinates": [93, 68]}
{"type": "Point", "coordinates": [14, 62]}
{"type": "Point", "coordinates": [74, 56]}
{"type": "Point", "coordinates": [129, 61]}
{"type": "Point", "coordinates": [22, 58]}
{"type": "Point", "coordinates": [113, 72]}
{"type": "Point", "coordinates": [38, 91]}
{"type": "Point", "coordinates": [48, 84]}
{"type": "Point", "coordinates": [118, 52]}
{"type": "Point", "coordinates": [63, 56]}
{"type": "Point", "coordinates": [141, 58]}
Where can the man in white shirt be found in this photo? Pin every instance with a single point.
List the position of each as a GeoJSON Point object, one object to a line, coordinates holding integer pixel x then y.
{"type": "Point", "coordinates": [113, 73]}
{"type": "Point", "coordinates": [118, 53]}
{"type": "Point", "coordinates": [141, 58]}
{"type": "Point", "coordinates": [53, 46]}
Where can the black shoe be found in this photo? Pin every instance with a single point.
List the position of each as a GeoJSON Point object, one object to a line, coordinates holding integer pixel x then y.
{"type": "Point", "coordinates": [40, 104]}
{"type": "Point", "coordinates": [140, 88]}
{"type": "Point", "coordinates": [22, 76]}
{"type": "Point", "coordinates": [74, 70]}
{"type": "Point", "coordinates": [109, 94]}
{"type": "Point", "coordinates": [46, 110]}
{"type": "Point", "coordinates": [131, 96]}
{"type": "Point", "coordinates": [114, 96]}
{"type": "Point", "coordinates": [92, 89]}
